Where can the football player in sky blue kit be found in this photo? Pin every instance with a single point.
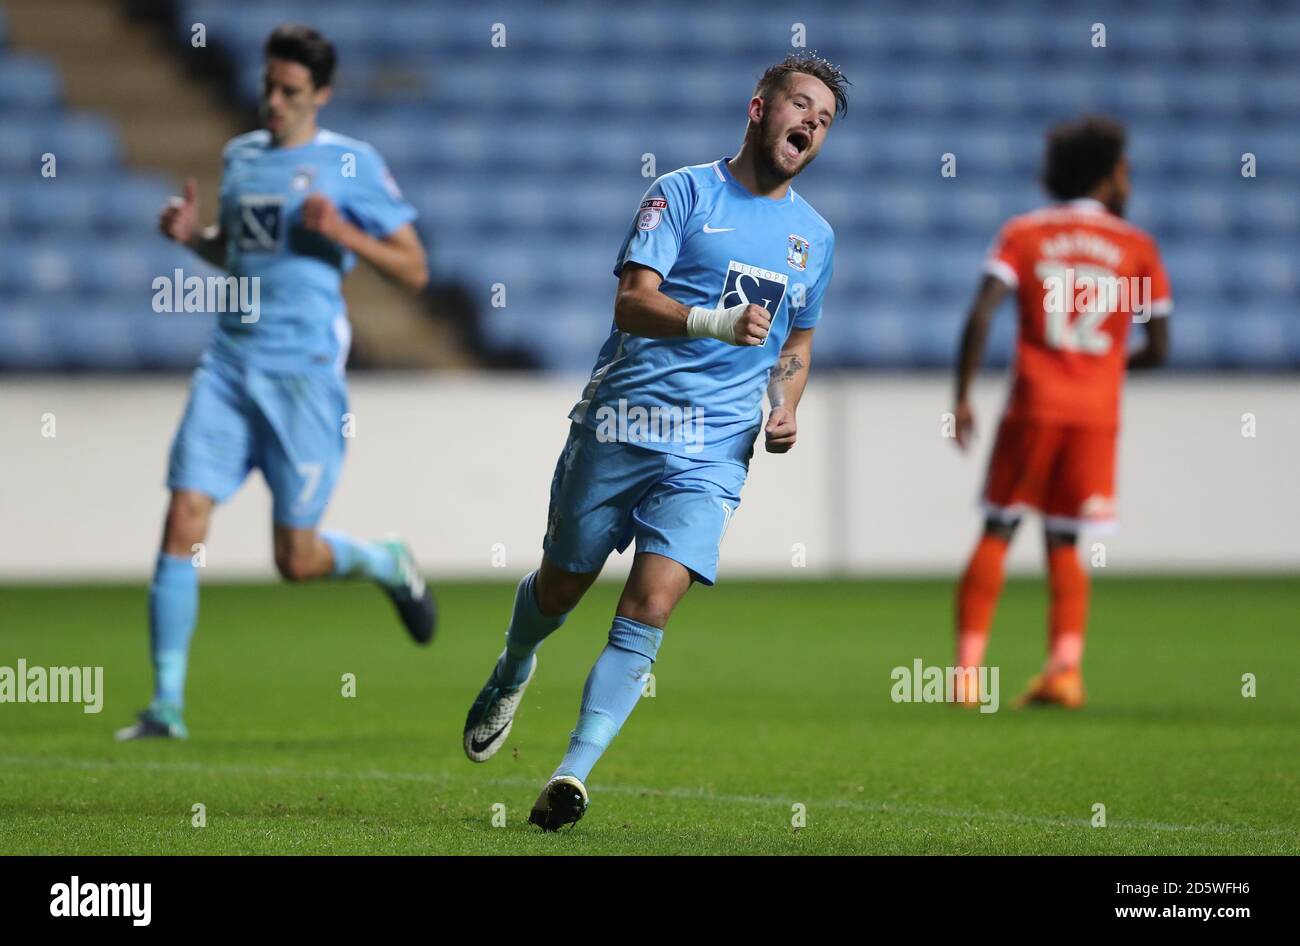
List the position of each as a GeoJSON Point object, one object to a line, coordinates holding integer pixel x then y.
{"type": "Point", "coordinates": [720, 283]}
{"type": "Point", "coordinates": [298, 205]}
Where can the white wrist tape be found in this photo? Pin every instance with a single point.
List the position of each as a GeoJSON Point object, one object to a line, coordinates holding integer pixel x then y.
{"type": "Point", "coordinates": [714, 323]}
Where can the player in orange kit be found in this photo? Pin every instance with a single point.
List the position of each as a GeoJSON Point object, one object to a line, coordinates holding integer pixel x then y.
{"type": "Point", "coordinates": [1081, 275]}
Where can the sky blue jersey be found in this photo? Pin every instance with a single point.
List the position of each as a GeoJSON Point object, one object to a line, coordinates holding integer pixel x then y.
{"type": "Point", "coordinates": [716, 244]}
{"type": "Point", "coordinates": [302, 319]}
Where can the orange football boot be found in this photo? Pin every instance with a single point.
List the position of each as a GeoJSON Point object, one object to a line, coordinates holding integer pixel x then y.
{"type": "Point", "coordinates": [1063, 688]}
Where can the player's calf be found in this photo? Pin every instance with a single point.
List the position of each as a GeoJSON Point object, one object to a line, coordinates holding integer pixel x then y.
{"type": "Point", "coordinates": [173, 615]}
{"type": "Point", "coordinates": [611, 692]}
{"type": "Point", "coordinates": [301, 554]}
{"type": "Point", "coordinates": [304, 554]}
{"type": "Point", "coordinates": [978, 593]}
{"type": "Point", "coordinates": [557, 591]}
{"type": "Point", "coordinates": [1068, 586]}
{"type": "Point", "coordinates": [492, 715]}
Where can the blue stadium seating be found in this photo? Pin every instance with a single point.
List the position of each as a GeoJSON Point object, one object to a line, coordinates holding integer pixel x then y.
{"type": "Point", "coordinates": [28, 83]}
{"type": "Point", "coordinates": [527, 161]}
{"type": "Point", "coordinates": [81, 246]}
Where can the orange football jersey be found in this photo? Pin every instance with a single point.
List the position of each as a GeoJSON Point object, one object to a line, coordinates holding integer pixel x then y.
{"type": "Point", "coordinates": [1081, 275]}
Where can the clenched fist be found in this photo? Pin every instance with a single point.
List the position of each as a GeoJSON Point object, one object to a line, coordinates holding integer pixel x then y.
{"type": "Point", "coordinates": [321, 216]}
{"type": "Point", "coordinates": [745, 324]}
{"type": "Point", "coordinates": [752, 326]}
{"type": "Point", "coordinates": [779, 434]}
{"type": "Point", "coordinates": [965, 424]}
{"type": "Point", "coordinates": [179, 218]}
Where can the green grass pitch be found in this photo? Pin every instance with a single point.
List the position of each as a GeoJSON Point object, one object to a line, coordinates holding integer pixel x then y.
{"type": "Point", "coordinates": [767, 694]}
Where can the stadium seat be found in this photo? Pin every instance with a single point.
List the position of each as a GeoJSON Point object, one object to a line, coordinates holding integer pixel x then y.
{"type": "Point", "coordinates": [511, 191]}
{"type": "Point", "coordinates": [27, 83]}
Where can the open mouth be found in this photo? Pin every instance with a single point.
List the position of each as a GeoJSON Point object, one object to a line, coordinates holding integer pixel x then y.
{"type": "Point", "coordinates": [796, 143]}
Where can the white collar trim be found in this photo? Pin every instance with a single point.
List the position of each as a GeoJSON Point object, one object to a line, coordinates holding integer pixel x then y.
{"type": "Point", "coordinates": [1087, 205]}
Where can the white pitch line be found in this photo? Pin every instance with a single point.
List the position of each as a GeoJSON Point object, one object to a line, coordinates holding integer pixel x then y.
{"type": "Point", "coordinates": [686, 794]}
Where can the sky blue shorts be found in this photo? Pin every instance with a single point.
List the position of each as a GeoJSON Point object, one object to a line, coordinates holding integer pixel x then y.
{"type": "Point", "coordinates": [289, 426]}
{"type": "Point", "coordinates": [605, 494]}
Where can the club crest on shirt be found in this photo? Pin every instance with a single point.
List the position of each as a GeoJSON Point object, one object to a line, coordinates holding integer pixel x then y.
{"type": "Point", "coordinates": [797, 252]}
{"type": "Point", "coordinates": [302, 178]}
{"type": "Point", "coordinates": [652, 211]}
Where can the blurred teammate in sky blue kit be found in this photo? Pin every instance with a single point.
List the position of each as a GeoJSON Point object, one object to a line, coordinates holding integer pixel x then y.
{"type": "Point", "coordinates": [721, 281]}
{"type": "Point", "coordinates": [298, 205]}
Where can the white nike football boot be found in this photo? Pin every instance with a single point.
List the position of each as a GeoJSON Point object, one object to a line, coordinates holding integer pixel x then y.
{"type": "Point", "coordinates": [492, 716]}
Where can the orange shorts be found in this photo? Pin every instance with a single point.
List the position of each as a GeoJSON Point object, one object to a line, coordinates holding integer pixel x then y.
{"type": "Point", "coordinates": [1066, 473]}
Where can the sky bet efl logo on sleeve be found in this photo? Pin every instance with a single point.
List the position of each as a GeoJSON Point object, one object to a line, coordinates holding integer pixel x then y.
{"type": "Point", "coordinates": [753, 285]}
{"type": "Point", "coordinates": [652, 211]}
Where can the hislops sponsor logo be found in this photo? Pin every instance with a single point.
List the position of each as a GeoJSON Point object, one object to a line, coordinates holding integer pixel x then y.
{"type": "Point", "coordinates": [78, 899]}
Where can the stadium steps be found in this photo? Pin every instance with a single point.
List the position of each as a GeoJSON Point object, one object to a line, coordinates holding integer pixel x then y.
{"type": "Point", "coordinates": [173, 123]}
{"type": "Point", "coordinates": [113, 67]}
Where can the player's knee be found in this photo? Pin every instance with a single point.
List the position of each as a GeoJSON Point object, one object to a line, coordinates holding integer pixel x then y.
{"type": "Point", "coordinates": [1004, 529]}
{"type": "Point", "coordinates": [294, 565]}
{"type": "Point", "coordinates": [1060, 539]}
{"type": "Point", "coordinates": [650, 606]}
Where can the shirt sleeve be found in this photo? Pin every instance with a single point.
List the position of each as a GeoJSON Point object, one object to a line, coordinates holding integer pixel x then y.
{"type": "Point", "coordinates": [1162, 299]}
{"type": "Point", "coordinates": [656, 234]}
{"type": "Point", "coordinates": [810, 313]}
{"type": "Point", "coordinates": [1002, 261]}
{"type": "Point", "coordinates": [374, 202]}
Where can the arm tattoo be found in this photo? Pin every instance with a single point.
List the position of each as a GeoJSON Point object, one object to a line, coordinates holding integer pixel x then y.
{"type": "Point", "coordinates": [787, 367]}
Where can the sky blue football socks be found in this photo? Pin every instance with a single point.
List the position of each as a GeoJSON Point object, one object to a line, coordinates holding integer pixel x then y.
{"type": "Point", "coordinates": [356, 559]}
{"type": "Point", "coordinates": [612, 689]}
{"type": "Point", "coordinates": [528, 628]}
{"type": "Point", "coordinates": [173, 612]}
